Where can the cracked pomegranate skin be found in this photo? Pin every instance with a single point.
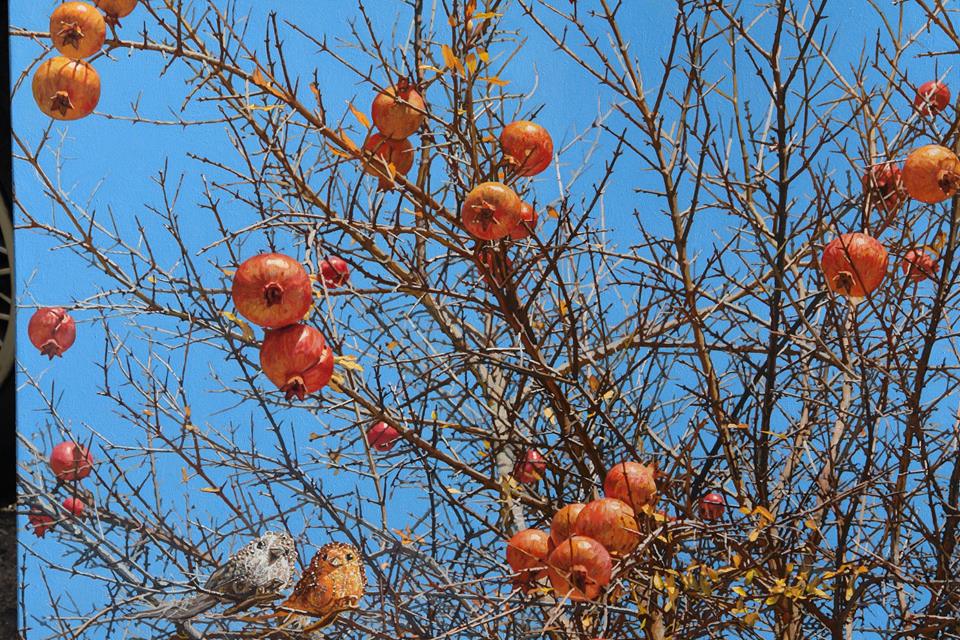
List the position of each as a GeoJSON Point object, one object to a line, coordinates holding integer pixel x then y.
{"type": "Point", "coordinates": [297, 360]}
{"type": "Point", "coordinates": [526, 555]}
{"type": "Point", "coordinates": [527, 146]}
{"type": "Point", "coordinates": [490, 211]}
{"type": "Point", "coordinates": [272, 290]}
{"type": "Point", "coordinates": [395, 119]}
{"type": "Point", "coordinates": [77, 29]}
{"type": "Point", "coordinates": [579, 568]}
{"type": "Point", "coordinates": [932, 97]}
{"type": "Point", "coordinates": [66, 89]}
{"type": "Point", "coordinates": [854, 264]}
{"type": "Point", "coordinates": [930, 174]}
{"type": "Point", "coordinates": [610, 522]}
{"type": "Point", "coordinates": [52, 331]}
{"type": "Point", "coordinates": [918, 265]}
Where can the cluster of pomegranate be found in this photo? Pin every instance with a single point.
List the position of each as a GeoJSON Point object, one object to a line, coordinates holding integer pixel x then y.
{"type": "Point", "coordinates": [67, 87]}
{"type": "Point", "coordinates": [52, 331]}
{"type": "Point", "coordinates": [398, 112]}
{"type": "Point", "coordinates": [274, 291]}
{"type": "Point", "coordinates": [855, 264]}
{"type": "Point", "coordinates": [70, 462]}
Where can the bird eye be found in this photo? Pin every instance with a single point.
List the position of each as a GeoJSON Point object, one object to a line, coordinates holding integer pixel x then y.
{"type": "Point", "coordinates": [349, 557]}
{"type": "Point", "coordinates": [259, 544]}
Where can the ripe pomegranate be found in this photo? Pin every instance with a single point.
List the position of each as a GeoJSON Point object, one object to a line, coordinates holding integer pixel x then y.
{"type": "Point", "coordinates": [610, 522]}
{"type": "Point", "coordinates": [387, 151]}
{"type": "Point", "coordinates": [272, 290]}
{"type": "Point", "coordinates": [40, 522]}
{"type": "Point", "coordinates": [531, 468]}
{"type": "Point", "coordinates": [712, 506]}
{"type": "Point", "coordinates": [883, 187]}
{"type": "Point", "coordinates": [77, 29]}
{"type": "Point", "coordinates": [490, 211]}
{"type": "Point", "coordinates": [527, 223]}
{"type": "Point", "coordinates": [854, 264]}
{"type": "Point", "coordinates": [931, 174]}
{"type": "Point", "coordinates": [70, 461]}
{"type": "Point", "coordinates": [51, 329]}
{"type": "Point", "coordinates": [116, 9]}
{"type": "Point", "coordinates": [398, 111]}
{"type": "Point", "coordinates": [526, 555]}
{"type": "Point", "coordinates": [527, 147]}
{"type": "Point", "coordinates": [495, 266]}
{"type": "Point", "coordinates": [579, 568]}
{"type": "Point", "coordinates": [334, 272]}
{"type": "Point", "coordinates": [297, 360]}
{"type": "Point", "coordinates": [381, 436]}
{"type": "Point", "coordinates": [919, 265]}
{"type": "Point", "coordinates": [932, 98]}
{"type": "Point", "coordinates": [66, 89]}
{"type": "Point", "coordinates": [74, 506]}
{"type": "Point", "coordinates": [633, 483]}
{"type": "Point", "coordinates": [561, 527]}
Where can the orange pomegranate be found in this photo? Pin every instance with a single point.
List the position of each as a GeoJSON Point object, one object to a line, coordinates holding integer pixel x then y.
{"type": "Point", "coordinates": [490, 211]}
{"type": "Point", "coordinates": [527, 147]}
{"type": "Point", "coordinates": [116, 9]}
{"type": "Point", "coordinates": [919, 264]}
{"type": "Point", "coordinates": [527, 223]}
{"type": "Point", "coordinates": [66, 89]}
{"type": "Point", "coordinates": [387, 151]}
{"type": "Point", "coordinates": [526, 555]}
{"type": "Point", "coordinates": [633, 483]}
{"type": "Point", "coordinates": [579, 568]}
{"type": "Point", "coordinates": [398, 111]}
{"type": "Point", "coordinates": [610, 522]}
{"type": "Point", "coordinates": [561, 527]}
{"type": "Point", "coordinates": [854, 264]}
{"type": "Point", "coordinates": [77, 29]}
{"type": "Point", "coordinates": [931, 174]}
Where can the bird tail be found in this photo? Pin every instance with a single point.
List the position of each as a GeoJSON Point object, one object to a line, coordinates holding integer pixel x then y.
{"type": "Point", "coordinates": [180, 609]}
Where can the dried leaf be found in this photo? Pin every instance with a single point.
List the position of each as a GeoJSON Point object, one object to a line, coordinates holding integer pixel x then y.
{"type": "Point", "coordinates": [471, 62]}
{"type": "Point", "coordinates": [348, 362]}
{"type": "Point", "coordinates": [552, 212]}
{"type": "Point", "coordinates": [449, 60]}
{"type": "Point", "coordinates": [487, 15]}
{"type": "Point", "coordinates": [494, 80]}
{"type": "Point", "coordinates": [359, 115]}
{"type": "Point", "coordinates": [210, 490]}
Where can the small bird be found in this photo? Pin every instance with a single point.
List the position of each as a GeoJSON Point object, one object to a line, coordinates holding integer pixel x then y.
{"type": "Point", "coordinates": [334, 582]}
{"type": "Point", "coordinates": [264, 565]}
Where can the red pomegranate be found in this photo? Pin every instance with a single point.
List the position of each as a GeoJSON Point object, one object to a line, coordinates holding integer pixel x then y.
{"type": "Point", "coordinates": [40, 522]}
{"type": "Point", "coordinates": [70, 461]}
{"type": "Point", "coordinates": [919, 265]}
{"type": "Point", "coordinates": [52, 331]}
{"type": "Point", "coordinates": [398, 111]}
{"type": "Point", "coordinates": [116, 9]}
{"type": "Point", "coordinates": [77, 29]}
{"type": "Point", "coordinates": [387, 151]}
{"type": "Point", "coordinates": [334, 272]}
{"type": "Point", "coordinates": [272, 290]}
{"type": "Point", "coordinates": [381, 436]}
{"type": "Point", "coordinates": [712, 506]}
{"type": "Point", "coordinates": [66, 89]}
{"type": "Point", "coordinates": [526, 555]}
{"type": "Point", "coordinates": [527, 147]}
{"type": "Point", "coordinates": [633, 483]}
{"type": "Point", "coordinates": [579, 568]}
{"type": "Point", "coordinates": [490, 211]}
{"type": "Point", "coordinates": [883, 187]}
{"type": "Point", "coordinates": [74, 506]}
{"type": "Point", "coordinates": [931, 174]}
{"type": "Point", "coordinates": [297, 360]}
{"type": "Point", "coordinates": [854, 264]}
{"type": "Point", "coordinates": [610, 522]}
{"type": "Point", "coordinates": [561, 527]}
{"type": "Point", "coordinates": [527, 223]}
{"type": "Point", "coordinates": [932, 97]}
{"type": "Point", "coordinates": [531, 468]}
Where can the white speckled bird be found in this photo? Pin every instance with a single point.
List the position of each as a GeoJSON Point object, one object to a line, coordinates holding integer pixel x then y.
{"type": "Point", "coordinates": [265, 565]}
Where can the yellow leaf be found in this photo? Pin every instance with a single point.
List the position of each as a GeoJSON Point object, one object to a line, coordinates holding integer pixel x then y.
{"type": "Point", "coordinates": [183, 475]}
{"type": "Point", "coordinates": [766, 515]}
{"type": "Point", "coordinates": [228, 272]}
{"type": "Point", "coordinates": [495, 80]}
{"type": "Point", "coordinates": [393, 344]}
{"type": "Point", "coordinates": [151, 280]}
{"type": "Point", "coordinates": [740, 591]}
{"type": "Point", "coordinates": [359, 115]}
{"type": "Point", "coordinates": [484, 56]}
{"type": "Point", "coordinates": [552, 212]}
{"type": "Point", "coordinates": [471, 62]}
{"type": "Point", "coordinates": [486, 15]}
{"type": "Point", "coordinates": [549, 415]}
{"type": "Point", "coordinates": [347, 142]}
{"type": "Point", "coordinates": [452, 20]}
{"type": "Point", "coordinates": [348, 362]}
{"type": "Point", "coordinates": [267, 107]}
{"type": "Point", "coordinates": [751, 618]}
{"type": "Point", "coordinates": [210, 490]}
{"type": "Point", "coordinates": [754, 535]}
{"type": "Point", "coordinates": [449, 59]}
{"type": "Point", "coordinates": [337, 152]}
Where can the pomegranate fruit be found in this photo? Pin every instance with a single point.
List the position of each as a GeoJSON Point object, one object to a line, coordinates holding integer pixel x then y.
{"type": "Point", "coordinates": [272, 290]}
{"type": "Point", "coordinates": [930, 174]}
{"type": "Point", "coordinates": [494, 266]}
{"type": "Point", "coordinates": [77, 29]}
{"type": "Point", "coordinates": [490, 211]}
{"type": "Point", "coordinates": [381, 436]}
{"type": "Point", "coordinates": [527, 223]}
{"type": "Point", "coordinates": [610, 522]}
{"type": "Point", "coordinates": [334, 272]}
{"type": "Point", "coordinates": [66, 89]}
{"type": "Point", "coordinates": [52, 331]}
{"type": "Point", "coordinates": [398, 111]}
{"type": "Point", "coordinates": [633, 483]}
{"type": "Point", "coordinates": [712, 506]}
{"type": "Point", "coordinates": [883, 187]}
{"type": "Point", "coordinates": [919, 265]}
{"type": "Point", "coordinates": [116, 9]}
{"type": "Point", "coordinates": [932, 97]}
{"type": "Point", "coordinates": [530, 468]}
{"type": "Point", "coordinates": [854, 264]}
{"type": "Point", "coordinates": [562, 524]}
{"type": "Point", "coordinates": [40, 522]}
{"type": "Point", "coordinates": [527, 147]}
{"type": "Point", "coordinates": [74, 506]}
{"type": "Point", "coordinates": [579, 568]}
{"type": "Point", "coordinates": [297, 360]}
{"type": "Point", "coordinates": [526, 555]}
{"type": "Point", "coordinates": [387, 151]}
{"type": "Point", "coordinates": [70, 461]}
